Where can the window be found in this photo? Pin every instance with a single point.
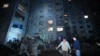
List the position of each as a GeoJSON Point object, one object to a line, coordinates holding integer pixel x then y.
{"type": "Point", "coordinates": [15, 26]}
{"type": "Point", "coordinates": [73, 22]}
{"type": "Point", "coordinates": [74, 27]}
{"type": "Point", "coordinates": [50, 10]}
{"type": "Point", "coordinates": [25, 2]}
{"type": "Point", "coordinates": [50, 28]}
{"type": "Point", "coordinates": [80, 22]}
{"type": "Point", "coordinates": [5, 5]}
{"type": "Point", "coordinates": [90, 31]}
{"type": "Point", "coordinates": [59, 9]}
{"type": "Point", "coordinates": [58, 3]}
{"type": "Point", "coordinates": [65, 15]}
{"type": "Point", "coordinates": [50, 21]}
{"type": "Point", "coordinates": [85, 16]}
{"type": "Point", "coordinates": [17, 15]}
{"type": "Point", "coordinates": [41, 16]}
{"type": "Point", "coordinates": [59, 28]}
{"type": "Point", "coordinates": [41, 11]}
{"type": "Point", "coordinates": [87, 21]}
{"type": "Point", "coordinates": [81, 27]}
{"type": "Point", "coordinates": [21, 8]}
{"type": "Point", "coordinates": [88, 26]}
{"type": "Point", "coordinates": [41, 23]}
{"type": "Point", "coordinates": [20, 26]}
{"type": "Point", "coordinates": [60, 17]}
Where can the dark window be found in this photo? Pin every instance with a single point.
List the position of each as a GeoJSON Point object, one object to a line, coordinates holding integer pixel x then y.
{"type": "Point", "coordinates": [58, 3]}
{"type": "Point", "coordinates": [25, 2]}
{"type": "Point", "coordinates": [80, 22]}
{"type": "Point", "coordinates": [87, 21]}
{"type": "Point", "coordinates": [21, 26]}
{"type": "Point", "coordinates": [41, 23]}
{"type": "Point", "coordinates": [41, 11]}
{"type": "Point", "coordinates": [81, 31]}
{"type": "Point", "coordinates": [81, 27]}
{"type": "Point", "coordinates": [15, 26]}
{"type": "Point", "coordinates": [88, 26]}
{"type": "Point", "coordinates": [60, 17]}
{"type": "Point", "coordinates": [90, 31]}
{"type": "Point", "coordinates": [50, 10]}
{"type": "Point", "coordinates": [74, 26]}
{"type": "Point", "coordinates": [59, 9]}
{"type": "Point", "coordinates": [18, 26]}
{"type": "Point", "coordinates": [73, 22]}
{"type": "Point", "coordinates": [41, 16]}
{"type": "Point", "coordinates": [17, 15]}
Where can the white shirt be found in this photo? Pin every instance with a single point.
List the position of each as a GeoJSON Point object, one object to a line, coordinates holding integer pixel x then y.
{"type": "Point", "coordinates": [64, 46]}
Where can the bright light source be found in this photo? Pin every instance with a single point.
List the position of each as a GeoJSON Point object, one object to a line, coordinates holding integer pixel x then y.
{"type": "Point", "coordinates": [85, 16]}
{"type": "Point", "coordinates": [50, 28]}
{"type": "Point", "coordinates": [65, 15]}
{"type": "Point", "coordinates": [59, 29]}
{"type": "Point", "coordinates": [50, 21]}
{"type": "Point", "coordinates": [5, 5]}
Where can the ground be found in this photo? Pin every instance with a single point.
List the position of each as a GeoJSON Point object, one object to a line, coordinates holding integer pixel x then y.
{"type": "Point", "coordinates": [86, 50]}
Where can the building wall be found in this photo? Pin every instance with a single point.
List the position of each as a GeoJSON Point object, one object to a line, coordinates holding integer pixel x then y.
{"type": "Point", "coordinates": [77, 24]}
{"type": "Point", "coordinates": [41, 12]}
{"type": "Point", "coordinates": [5, 18]}
{"type": "Point", "coordinates": [16, 19]}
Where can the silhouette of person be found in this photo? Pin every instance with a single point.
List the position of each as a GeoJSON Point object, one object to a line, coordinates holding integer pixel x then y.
{"type": "Point", "coordinates": [64, 46]}
{"type": "Point", "coordinates": [76, 46]}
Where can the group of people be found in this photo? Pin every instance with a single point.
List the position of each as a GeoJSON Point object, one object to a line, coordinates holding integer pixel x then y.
{"type": "Point", "coordinates": [65, 46]}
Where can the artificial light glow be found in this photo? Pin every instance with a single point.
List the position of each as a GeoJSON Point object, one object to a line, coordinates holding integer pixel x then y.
{"type": "Point", "coordinates": [65, 15]}
{"type": "Point", "coordinates": [50, 21]}
{"type": "Point", "coordinates": [50, 28]}
{"type": "Point", "coordinates": [5, 5]}
{"type": "Point", "coordinates": [59, 29]}
{"type": "Point", "coordinates": [85, 16]}
{"type": "Point", "coordinates": [14, 33]}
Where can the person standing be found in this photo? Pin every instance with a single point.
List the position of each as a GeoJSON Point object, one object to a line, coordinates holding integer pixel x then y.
{"type": "Point", "coordinates": [76, 46]}
{"type": "Point", "coordinates": [65, 47]}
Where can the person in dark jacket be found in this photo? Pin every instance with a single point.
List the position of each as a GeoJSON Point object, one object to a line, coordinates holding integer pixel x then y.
{"type": "Point", "coordinates": [76, 45]}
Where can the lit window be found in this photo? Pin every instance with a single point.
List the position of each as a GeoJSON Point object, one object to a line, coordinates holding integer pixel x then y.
{"type": "Point", "coordinates": [21, 8]}
{"type": "Point", "coordinates": [50, 21]}
{"type": "Point", "coordinates": [59, 28]}
{"type": "Point", "coordinates": [85, 16]}
{"type": "Point", "coordinates": [5, 5]}
{"type": "Point", "coordinates": [65, 15]}
{"type": "Point", "coordinates": [50, 28]}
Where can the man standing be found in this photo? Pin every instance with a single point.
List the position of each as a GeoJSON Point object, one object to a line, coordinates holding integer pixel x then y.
{"type": "Point", "coordinates": [65, 47]}
{"type": "Point", "coordinates": [76, 45]}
